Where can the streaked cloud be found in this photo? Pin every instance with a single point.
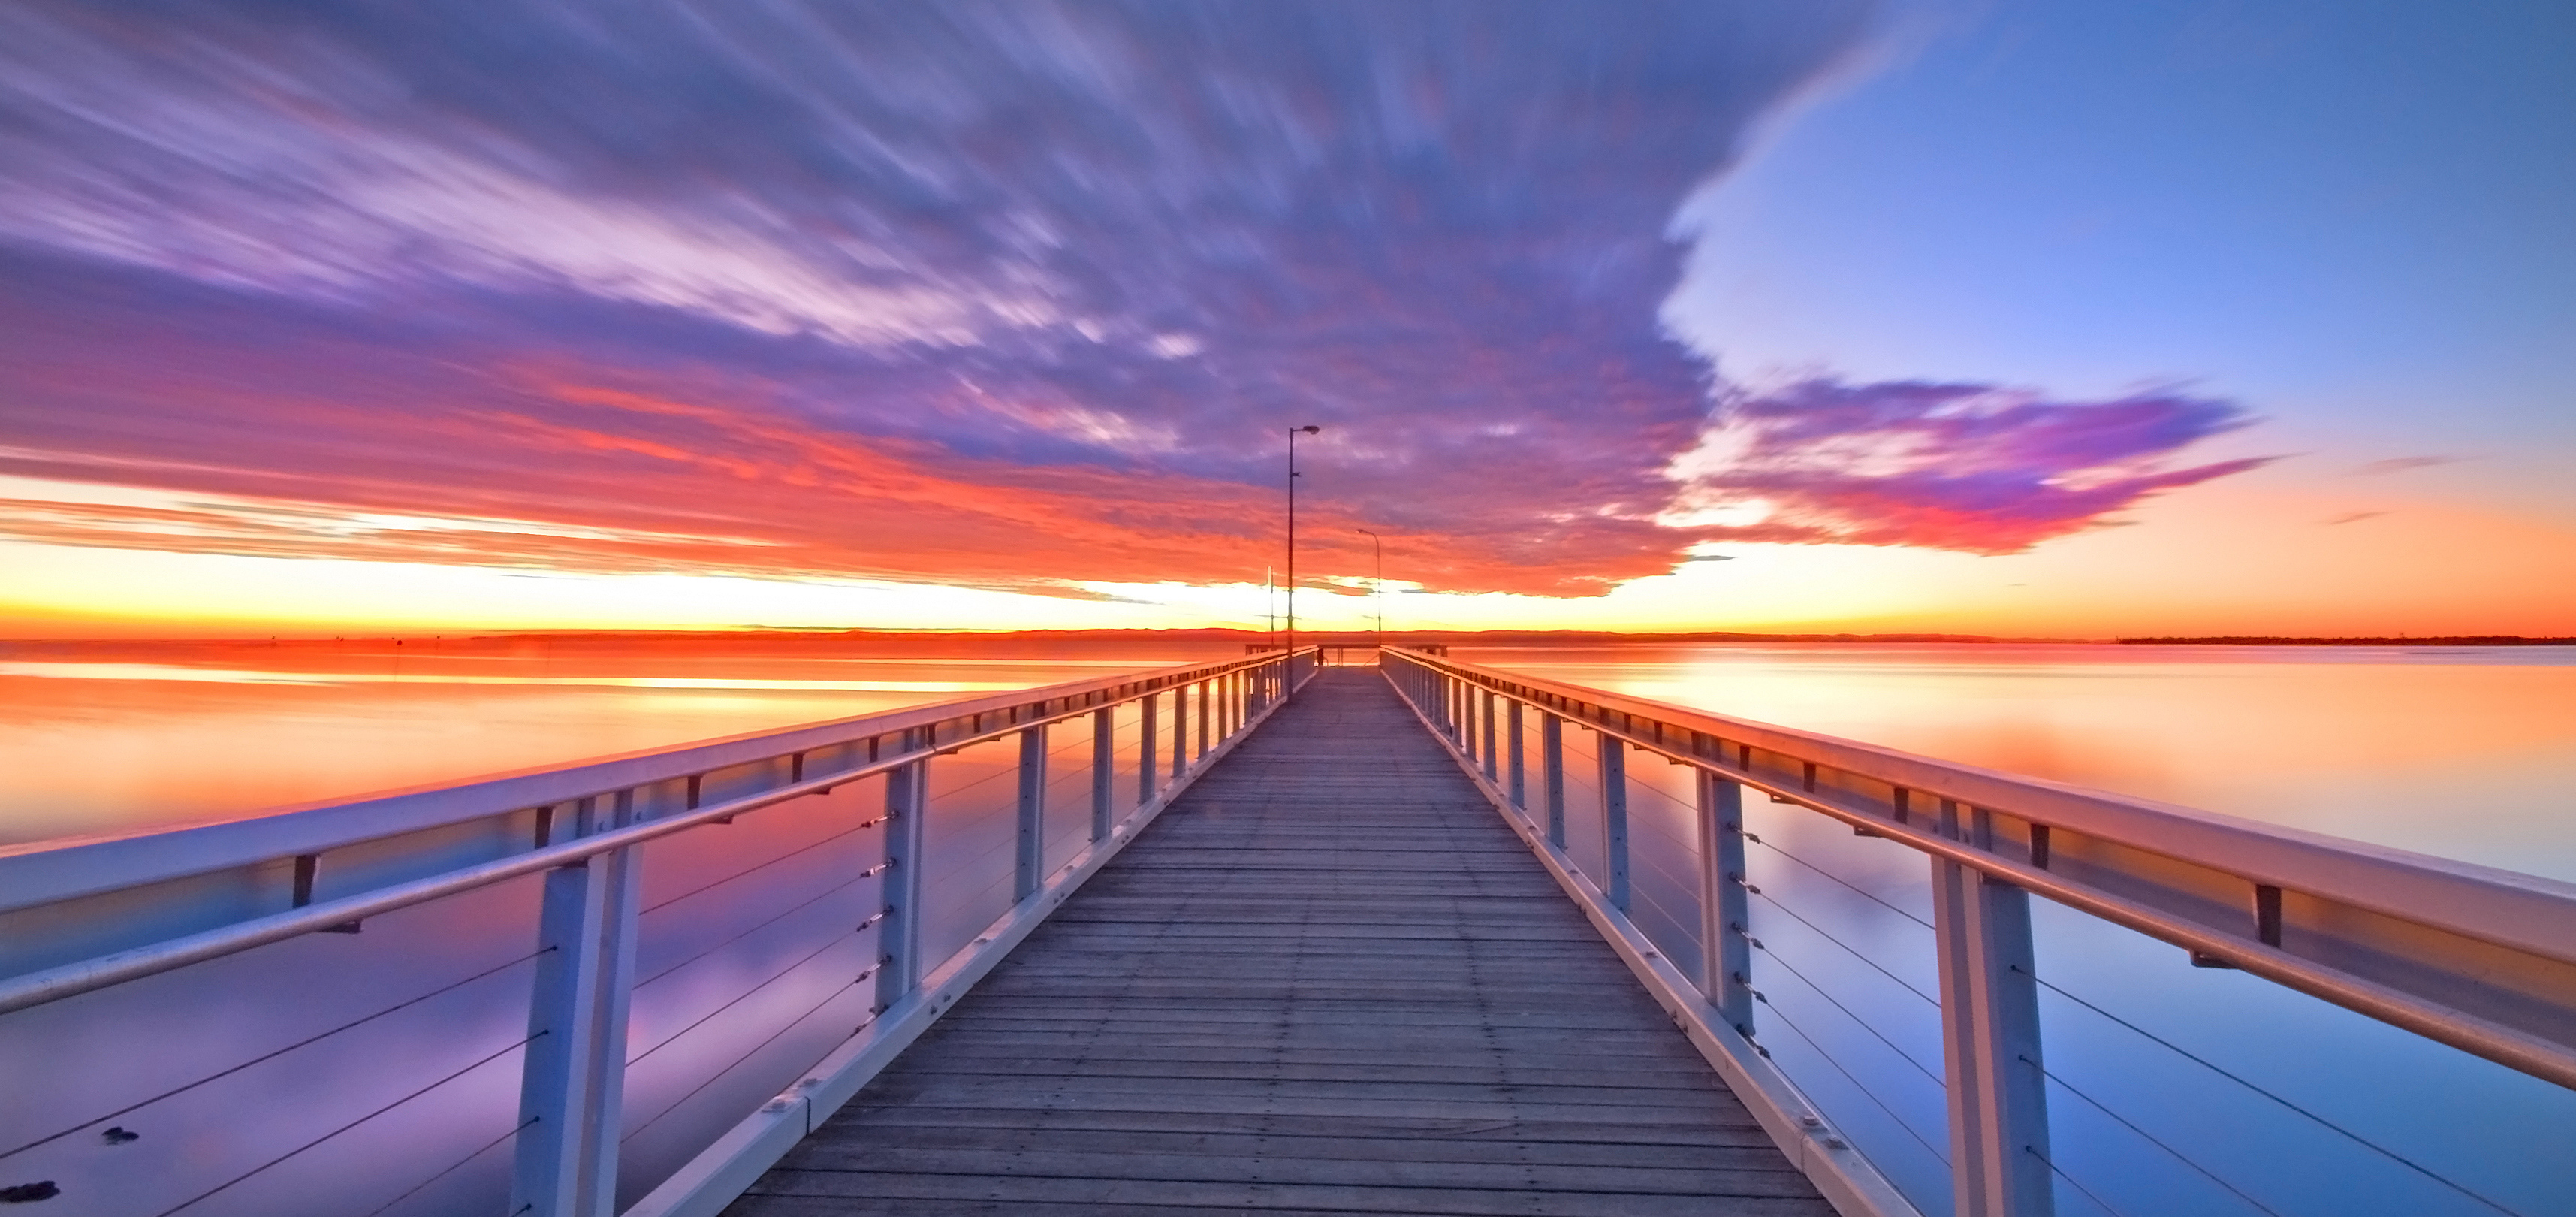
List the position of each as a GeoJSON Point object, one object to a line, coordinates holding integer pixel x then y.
{"type": "Point", "coordinates": [1945, 466]}
{"type": "Point", "coordinates": [2400, 464]}
{"type": "Point", "coordinates": [1005, 295]}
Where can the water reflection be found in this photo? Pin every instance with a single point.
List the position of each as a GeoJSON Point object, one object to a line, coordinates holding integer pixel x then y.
{"type": "Point", "coordinates": [2172, 1089]}
{"type": "Point", "coordinates": [115, 738]}
{"type": "Point", "coordinates": [2464, 753]}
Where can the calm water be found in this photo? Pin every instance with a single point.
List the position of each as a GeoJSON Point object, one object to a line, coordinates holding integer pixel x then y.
{"type": "Point", "coordinates": [2465, 753]}
{"type": "Point", "coordinates": [2174, 1089]}
{"type": "Point", "coordinates": [116, 739]}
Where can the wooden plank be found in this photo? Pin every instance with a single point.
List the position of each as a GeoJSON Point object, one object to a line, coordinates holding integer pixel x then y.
{"type": "Point", "coordinates": [1112, 1195]}
{"type": "Point", "coordinates": [1230, 1162]}
{"type": "Point", "coordinates": [1751, 1151]}
{"type": "Point", "coordinates": [1391, 1128]}
{"type": "Point", "coordinates": [1326, 980]}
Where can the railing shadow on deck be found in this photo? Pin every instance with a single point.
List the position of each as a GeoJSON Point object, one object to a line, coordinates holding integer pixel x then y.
{"type": "Point", "coordinates": [621, 986]}
{"type": "Point", "coordinates": [1912, 1081]}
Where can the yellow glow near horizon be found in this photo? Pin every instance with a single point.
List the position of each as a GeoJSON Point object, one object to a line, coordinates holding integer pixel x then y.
{"type": "Point", "coordinates": [2253, 557]}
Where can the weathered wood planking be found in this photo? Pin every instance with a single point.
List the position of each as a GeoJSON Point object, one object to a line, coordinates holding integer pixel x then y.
{"type": "Point", "coordinates": [1328, 980]}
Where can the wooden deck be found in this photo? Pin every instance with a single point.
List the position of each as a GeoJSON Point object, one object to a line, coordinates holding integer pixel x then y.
{"type": "Point", "coordinates": [1327, 980]}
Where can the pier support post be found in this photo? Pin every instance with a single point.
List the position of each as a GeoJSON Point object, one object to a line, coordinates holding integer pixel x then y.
{"type": "Point", "coordinates": [907, 809]}
{"type": "Point", "coordinates": [1614, 817]}
{"type": "Point", "coordinates": [1726, 958]}
{"type": "Point", "coordinates": [1149, 747]}
{"type": "Point", "coordinates": [1032, 808]}
{"type": "Point", "coordinates": [1551, 765]}
{"type": "Point", "coordinates": [1990, 1034]}
{"type": "Point", "coordinates": [1104, 770]}
{"type": "Point", "coordinates": [574, 1073]}
{"type": "Point", "coordinates": [1491, 772]}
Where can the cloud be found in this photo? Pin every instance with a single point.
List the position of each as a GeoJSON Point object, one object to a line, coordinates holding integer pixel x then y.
{"type": "Point", "coordinates": [2400, 464]}
{"type": "Point", "coordinates": [1944, 465]}
{"type": "Point", "coordinates": [1012, 294]}
{"type": "Point", "coordinates": [2354, 517]}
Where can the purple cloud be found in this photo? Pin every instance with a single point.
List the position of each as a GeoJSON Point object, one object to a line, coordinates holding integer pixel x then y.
{"type": "Point", "coordinates": [2400, 464]}
{"type": "Point", "coordinates": [1947, 466]}
{"type": "Point", "coordinates": [1078, 262]}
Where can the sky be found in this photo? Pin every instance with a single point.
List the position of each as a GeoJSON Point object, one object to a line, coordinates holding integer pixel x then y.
{"type": "Point", "coordinates": [2079, 321]}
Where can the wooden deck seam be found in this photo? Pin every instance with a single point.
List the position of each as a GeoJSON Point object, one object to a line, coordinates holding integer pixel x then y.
{"type": "Point", "coordinates": [1327, 980]}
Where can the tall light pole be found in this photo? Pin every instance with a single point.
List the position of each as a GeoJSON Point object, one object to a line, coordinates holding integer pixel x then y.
{"type": "Point", "coordinates": [1292, 539]}
{"type": "Point", "coordinates": [1377, 586]}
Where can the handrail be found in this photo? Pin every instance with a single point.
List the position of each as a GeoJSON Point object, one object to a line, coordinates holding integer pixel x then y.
{"type": "Point", "coordinates": [45, 873]}
{"type": "Point", "coordinates": [2480, 959]}
{"type": "Point", "coordinates": [2332, 890]}
{"type": "Point", "coordinates": [566, 1142]}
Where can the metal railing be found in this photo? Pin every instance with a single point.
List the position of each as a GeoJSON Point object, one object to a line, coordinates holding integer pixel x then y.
{"type": "Point", "coordinates": [198, 1034]}
{"type": "Point", "coordinates": [2474, 958]}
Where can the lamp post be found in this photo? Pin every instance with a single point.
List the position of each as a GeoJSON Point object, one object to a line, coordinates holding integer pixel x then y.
{"type": "Point", "coordinates": [1292, 542]}
{"type": "Point", "coordinates": [1377, 586]}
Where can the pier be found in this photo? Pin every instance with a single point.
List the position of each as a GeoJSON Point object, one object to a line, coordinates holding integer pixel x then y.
{"type": "Point", "coordinates": [1326, 979]}
{"type": "Point", "coordinates": [1401, 935]}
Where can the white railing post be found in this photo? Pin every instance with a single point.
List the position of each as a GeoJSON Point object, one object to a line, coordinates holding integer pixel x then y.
{"type": "Point", "coordinates": [573, 1073]}
{"type": "Point", "coordinates": [1490, 771]}
{"type": "Point", "coordinates": [1149, 749]}
{"type": "Point", "coordinates": [1032, 836]}
{"type": "Point", "coordinates": [1614, 817]}
{"type": "Point", "coordinates": [1104, 769]}
{"type": "Point", "coordinates": [1520, 771]}
{"type": "Point", "coordinates": [907, 812]}
{"type": "Point", "coordinates": [1180, 730]}
{"type": "Point", "coordinates": [1990, 1035]}
{"type": "Point", "coordinates": [1551, 768]}
{"type": "Point", "coordinates": [1207, 703]}
{"type": "Point", "coordinates": [1726, 958]}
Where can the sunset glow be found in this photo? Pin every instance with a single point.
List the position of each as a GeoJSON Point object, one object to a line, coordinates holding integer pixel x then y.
{"type": "Point", "coordinates": [1667, 318]}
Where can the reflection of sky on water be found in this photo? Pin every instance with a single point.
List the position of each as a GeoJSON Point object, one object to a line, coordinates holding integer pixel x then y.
{"type": "Point", "coordinates": [747, 965]}
{"type": "Point", "coordinates": [143, 736]}
{"type": "Point", "coordinates": [2257, 1099]}
{"type": "Point", "coordinates": [2356, 742]}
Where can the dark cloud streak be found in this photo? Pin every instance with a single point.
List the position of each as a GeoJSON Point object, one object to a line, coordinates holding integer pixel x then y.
{"type": "Point", "coordinates": [968, 291]}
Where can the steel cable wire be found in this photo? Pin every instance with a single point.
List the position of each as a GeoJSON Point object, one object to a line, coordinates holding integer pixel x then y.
{"type": "Point", "coordinates": [738, 999]}
{"type": "Point", "coordinates": [754, 928]}
{"type": "Point", "coordinates": [315, 1038]}
{"type": "Point", "coordinates": [505, 1050]}
{"type": "Point", "coordinates": [2148, 1137]}
{"type": "Point", "coordinates": [1857, 1084]}
{"type": "Point", "coordinates": [458, 1165]}
{"type": "Point", "coordinates": [2321, 1121]}
{"type": "Point", "coordinates": [1864, 893]}
{"type": "Point", "coordinates": [719, 1074]}
{"type": "Point", "coordinates": [2098, 1201]}
{"type": "Point", "coordinates": [1774, 902]}
{"type": "Point", "coordinates": [757, 867]}
{"type": "Point", "coordinates": [1847, 1011]}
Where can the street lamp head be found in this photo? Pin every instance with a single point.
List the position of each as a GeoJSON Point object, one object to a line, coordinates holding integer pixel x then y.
{"type": "Point", "coordinates": [1311, 430]}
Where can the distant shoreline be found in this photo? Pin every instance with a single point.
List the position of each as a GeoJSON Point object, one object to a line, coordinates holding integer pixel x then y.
{"type": "Point", "coordinates": [907, 639]}
{"type": "Point", "coordinates": [2401, 640]}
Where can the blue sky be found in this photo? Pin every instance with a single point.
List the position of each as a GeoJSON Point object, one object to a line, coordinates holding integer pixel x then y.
{"type": "Point", "coordinates": [2009, 318]}
{"type": "Point", "coordinates": [2360, 218]}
